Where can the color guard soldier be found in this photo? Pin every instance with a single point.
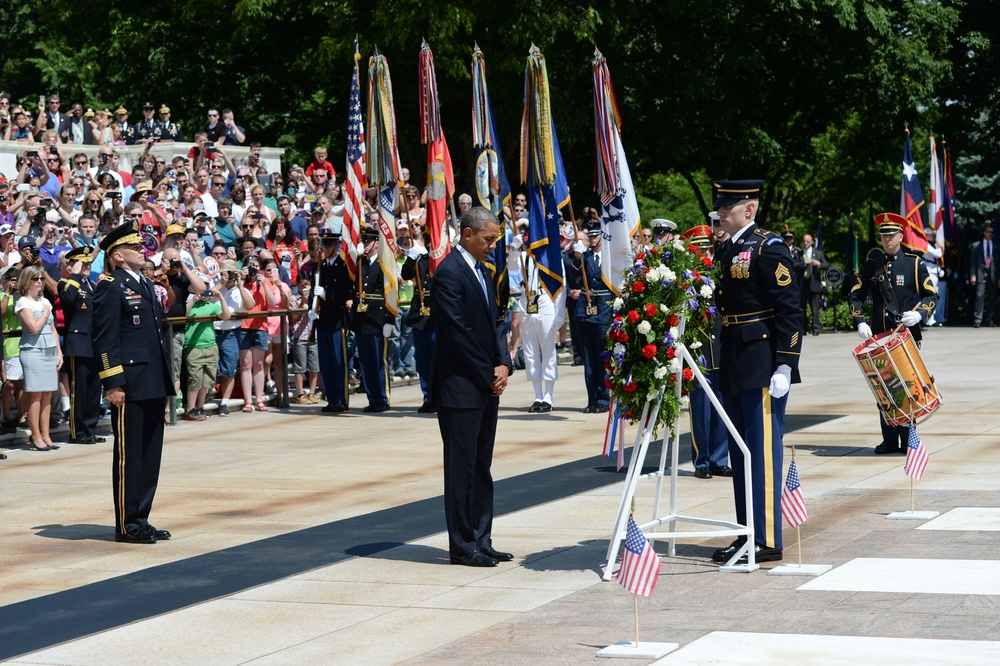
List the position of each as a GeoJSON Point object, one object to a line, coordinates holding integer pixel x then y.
{"type": "Point", "coordinates": [334, 293]}
{"type": "Point", "coordinates": [133, 367]}
{"type": "Point", "coordinates": [372, 324]}
{"type": "Point", "coordinates": [758, 299]}
{"type": "Point", "coordinates": [709, 435]}
{"type": "Point", "coordinates": [418, 319]}
{"type": "Point", "coordinates": [902, 293]}
{"type": "Point", "coordinates": [76, 296]}
{"type": "Point", "coordinates": [593, 319]}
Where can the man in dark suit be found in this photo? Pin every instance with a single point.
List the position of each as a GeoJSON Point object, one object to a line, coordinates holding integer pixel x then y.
{"type": "Point", "coordinates": [133, 367]}
{"type": "Point", "coordinates": [758, 299]}
{"type": "Point", "coordinates": [57, 121]}
{"type": "Point", "coordinates": [469, 372]}
{"type": "Point", "coordinates": [76, 295]}
{"type": "Point", "coordinates": [983, 276]}
{"type": "Point", "coordinates": [813, 269]}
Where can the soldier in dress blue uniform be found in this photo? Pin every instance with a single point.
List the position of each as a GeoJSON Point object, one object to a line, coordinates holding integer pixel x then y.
{"type": "Point", "coordinates": [758, 299]}
{"type": "Point", "coordinates": [133, 367]}
{"type": "Point", "coordinates": [902, 292]}
{"type": "Point", "coordinates": [334, 292]}
{"type": "Point", "coordinates": [593, 319]}
{"type": "Point", "coordinates": [167, 130]}
{"type": "Point", "coordinates": [76, 296]}
{"type": "Point", "coordinates": [372, 323]}
{"type": "Point", "coordinates": [149, 126]}
{"type": "Point", "coordinates": [128, 131]}
{"type": "Point", "coordinates": [709, 436]}
{"type": "Point", "coordinates": [418, 318]}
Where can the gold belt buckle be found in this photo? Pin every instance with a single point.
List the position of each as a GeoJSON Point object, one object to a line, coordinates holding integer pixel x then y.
{"type": "Point", "coordinates": [532, 308]}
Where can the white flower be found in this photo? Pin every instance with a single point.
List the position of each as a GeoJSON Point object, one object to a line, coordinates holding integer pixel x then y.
{"type": "Point", "coordinates": [660, 372]}
{"type": "Point", "coordinates": [679, 244]}
{"type": "Point", "coordinates": [673, 332]}
{"type": "Point", "coordinates": [664, 309]}
{"type": "Point", "coordinates": [619, 348]}
{"type": "Point", "coordinates": [706, 291]}
{"type": "Point", "coordinates": [618, 304]}
{"type": "Point", "coordinates": [673, 365]}
{"type": "Point", "coordinates": [695, 345]}
{"type": "Point", "coordinates": [643, 327]}
{"type": "Point", "coordinates": [652, 395]}
{"type": "Point", "coordinates": [668, 275]}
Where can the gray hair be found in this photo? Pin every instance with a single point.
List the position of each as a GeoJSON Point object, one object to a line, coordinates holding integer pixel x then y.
{"type": "Point", "coordinates": [464, 198]}
{"type": "Point", "coordinates": [476, 218]}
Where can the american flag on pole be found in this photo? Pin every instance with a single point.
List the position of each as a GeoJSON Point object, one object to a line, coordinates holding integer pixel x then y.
{"type": "Point", "coordinates": [916, 456]}
{"type": "Point", "coordinates": [353, 187]}
{"type": "Point", "coordinates": [793, 505]}
{"type": "Point", "coordinates": [640, 565]}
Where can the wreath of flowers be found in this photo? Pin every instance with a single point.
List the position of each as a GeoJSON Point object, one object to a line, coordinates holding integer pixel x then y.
{"type": "Point", "coordinates": [667, 286]}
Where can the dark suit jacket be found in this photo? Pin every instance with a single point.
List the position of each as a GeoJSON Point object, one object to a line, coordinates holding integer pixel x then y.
{"type": "Point", "coordinates": [88, 132]}
{"type": "Point", "coordinates": [814, 283]}
{"type": "Point", "coordinates": [128, 339]}
{"type": "Point", "coordinates": [76, 296]}
{"type": "Point", "coordinates": [60, 125]}
{"type": "Point", "coordinates": [470, 342]}
{"type": "Point", "coordinates": [977, 262]}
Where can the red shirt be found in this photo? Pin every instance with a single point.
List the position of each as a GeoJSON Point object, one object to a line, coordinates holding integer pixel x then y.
{"type": "Point", "coordinates": [321, 165]}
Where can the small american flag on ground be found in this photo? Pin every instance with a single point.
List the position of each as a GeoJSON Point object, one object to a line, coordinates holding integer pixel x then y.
{"type": "Point", "coordinates": [640, 565]}
{"type": "Point", "coordinates": [793, 505]}
{"type": "Point", "coordinates": [916, 456]}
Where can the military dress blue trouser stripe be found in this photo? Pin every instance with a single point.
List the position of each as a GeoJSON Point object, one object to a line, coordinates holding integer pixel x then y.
{"type": "Point", "coordinates": [760, 419]}
{"type": "Point", "coordinates": [374, 369]}
{"type": "Point", "coordinates": [331, 346]}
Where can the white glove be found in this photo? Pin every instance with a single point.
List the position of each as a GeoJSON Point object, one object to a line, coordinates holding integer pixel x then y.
{"type": "Point", "coordinates": [320, 292]}
{"type": "Point", "coordinates": [516, 242]}
{"type": "Point", "coordinates": [387, 330]}
{"type": "Point", "coordinates": [579, 247]}
{"type": "Point", "coordinates": [864, 331]}
{"type": "Point", "coordinates": [416, 252]}
{"type": "Point", "coordinates": [781, 380]}
{"type": "Point", "coordinates": [910, 318]}
{"type": "Point", "coordinates": [312, 316]}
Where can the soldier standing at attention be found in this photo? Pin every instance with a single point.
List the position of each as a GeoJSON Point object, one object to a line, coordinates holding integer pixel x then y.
{"type": "Point", "coordinates": [76, 294]}
{"type": "Point", "coordinates": [758, 300]}
{"type": "Point", "coordinates": [333, 293]}
{"type": "Point", "coordinates": [593, 318]}
{"type": "Point", "coordinates": [372, 324]}
{"type": "Point", "coordinates": [133, 367]}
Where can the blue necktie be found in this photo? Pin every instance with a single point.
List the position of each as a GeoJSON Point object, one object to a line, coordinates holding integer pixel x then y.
{"type": "Point", "coordinates": [482, 280]}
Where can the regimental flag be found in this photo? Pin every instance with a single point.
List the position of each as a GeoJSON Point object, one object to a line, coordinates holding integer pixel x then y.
{"type": "Point", "coordinates": [542, 169]}
{"type": "Point", "coordinates": [612, 181]}
{"type": "Point", "coordinates": [818, 241]}
{"type": "Point", "coordinates": [911, 200]}
{"type": "Point", "coordinates": [916, 456]}
{"type": "Point", "coordinates": [793, 505]}
{"type": "Point", "coordinates": [440, 176]}
{"type": "Point", "coordinates": [852, 246]}
{"type": "Point", "coordinates": [492, 187]}
{"type": "Point", "coordinates": [948, 201]}
{"type": "Point", "coordinates": [355, 182]}
{"type": "Point", "coordinates": [383, 171]}
{"type": "Point", "coordinates": [640, 565]}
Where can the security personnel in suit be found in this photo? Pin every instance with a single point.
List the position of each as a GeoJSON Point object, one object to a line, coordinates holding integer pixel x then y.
{"type": "Point", "coordinates": [902, 293]}
{"type": "Point", "coordinates": [984, 275]}
{"type": "Point", "coordinates": [593, 319]}
{"type": "Point", "coordinates": [469, 373]}
{"type": "Point", "coordinates": [758, 299]}
{"type": "Point", "coordinates": [76, 296]}
{"type": "Point", "coordinates": [709, 436]}
{"type": "Point", "coordinates": [133, 367]}
{"type": "Point", "coordinates": [334, 293]}
{"type": "Point", "coordinates": [419, 317]}
{"type": "Point", "coordinates": [372, 323]}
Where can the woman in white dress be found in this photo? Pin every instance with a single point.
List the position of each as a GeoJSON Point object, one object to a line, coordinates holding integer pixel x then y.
{"type": "Point", "coordinates": [41, 356]}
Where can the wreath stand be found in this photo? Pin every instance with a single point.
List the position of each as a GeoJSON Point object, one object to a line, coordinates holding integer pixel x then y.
{"type": "Point", "coordinates": [634, 474]}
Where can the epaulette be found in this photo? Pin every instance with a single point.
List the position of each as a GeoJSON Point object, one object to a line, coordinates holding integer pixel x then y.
{"type": "Point", "coordinates": [107, 278]}
{"type": "Point", "coordinates": [913, 253]}
{"type": "Point", "coordinates": [768, 237]}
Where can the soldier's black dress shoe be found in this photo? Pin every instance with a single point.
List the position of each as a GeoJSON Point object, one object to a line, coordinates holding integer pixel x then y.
{"type": "Point", "coordinates": [328, 408]}
{"type": "Point", "coordinates": [725, 470]}
{"type": "Point", "coordinates": [142, 535]}
{"type": "Point", "coordinates": [426, 408]}
{"type": "Point", "coordinates": [702, 473]}
{"type": "Point", "coordinates": [761, 553]}
{"type": "Point", "coordinates": [161, 535]}
{"type": "Point", "coordinates": [886, 447]}
{"type": "Point", "coordinates": [489, 551]}
{"type": "Point", "coordinates": [99, 440]}
{"type": "Point", "coordinates": [376, 409]}
{"type": "Point", "coordinates": [82, 440]}
{"type": "Point", "coordinates": [535, 407]}
{"type": "Point", "coordinates": [589, 409]}
{"type": "Point", "coordinates": [474, 559]}
{"type": "Point", "coordinates": [544, 407]}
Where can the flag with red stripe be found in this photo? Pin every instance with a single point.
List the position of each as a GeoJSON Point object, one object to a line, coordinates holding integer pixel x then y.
{"type": "Point", "coordinates": [911, 200]}
{"type": "Point", "coordinates": [916, 456]}
{"type": "Point", "coordinates": [793, 505]}
{"type": "Point", "coordinates": [640, 565]}
{"type": "Point", "coordinates": [354, 185]}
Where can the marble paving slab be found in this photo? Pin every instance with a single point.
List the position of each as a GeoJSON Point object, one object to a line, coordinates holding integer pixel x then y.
{"type": "Point", "coordinates": [911, 576]}
{"type": "Point", "coordinates": [966, 518]}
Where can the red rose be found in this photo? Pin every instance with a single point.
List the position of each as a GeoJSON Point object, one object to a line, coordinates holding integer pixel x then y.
{"type": "Point", "coordinates": [640, 256]}
{"type": "Point", "coordinates": [618, 318]}
{"type": "Point", "coordinates": [670, 352]}
{"type": "Point", "coordinates": [649, 351]}
{"type": "Point", "coordinates": [673, 320]}
{"type": "Point", "coordinates": [697, 275]}
{"type": "Point", "coordinates": [688, 374]}
{"type": "Point", "coordinates": [692, 249]}
{"type": "Point", "coordinates": [622, 336]}
{"type": "Point", "coordinates": [607, 382]}
{"type": "Point", "coordinates": [633, 316]}
{"type": "Point", "coordinates": [706, 262]}
{"type": "Point", "coordinates": [608, 368]}
{"type": "Point", "coordinates": [630, 387]}
{"type": "Point", "coordinates": [654, 250]}
{"type": "Point", "coordinates": [650, 310]}
{"type": "Point", "coordinates": [638, 286]}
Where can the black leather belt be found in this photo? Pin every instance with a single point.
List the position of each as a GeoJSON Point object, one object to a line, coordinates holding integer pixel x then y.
{"type": "Point", "coordinates": [737, 319]}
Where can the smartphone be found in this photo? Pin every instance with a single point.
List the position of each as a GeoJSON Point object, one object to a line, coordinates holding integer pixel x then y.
{"type": "Point", "coordinates": [104, 158]}
{"type": "Point", "coordinates": [151, 198]}
{"type": "Point", "coordinates": [171, 174]}
{"type": "Point", "coordinates": [81, 173]}
{"type": "Point", "coordinates": [207, 294]}
{"type": "Point", "coordinates": [31, 153]}
{"type": "Point", "coordinates": [24, 187]}
{"type": "Point", "coordinates": [209, 145]}
{"type": "Point", "coordinates": [114, 195]}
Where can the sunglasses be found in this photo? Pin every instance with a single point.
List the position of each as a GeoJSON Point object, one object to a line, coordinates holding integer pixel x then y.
{"type": "Point", "coordinates": [81, 164]}
{"type": "Point", "coordinates": [218, 254]}
{"type": "Point", "coordinates": [134, 216]}
{"type": "Point", "coordinates": [218, 184]}
{"type": "Point", "coordinates": [38, 279]}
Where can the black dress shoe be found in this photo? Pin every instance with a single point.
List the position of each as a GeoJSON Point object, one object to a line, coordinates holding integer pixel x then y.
{"type": "Point", "coordinates": [589, 409]}
{"type": "Point", "coordinates": [376, 409]}
{"type": "Point", "coordinates": [82, 440]}
{"type": "Point", "coordinates": [489, 551]}
{"type": "Point", "coordinates": [98, 440]}
{"type": "Point", "coordinates": [545, 407]}
{"type": "Point", "coordinates": [725, 470]}
{"type": "Point", "coordinates": [886, 447]}
{"type": "Point", "coordinates": [161, 535]}
{"type": "Point", "coordinates": [474, 559]}
{"type": "Point", "coordinates": [427, 408]}
{"type": "Point", "coordinates": [761, 553]}
{"type": "Point", "coordinates": [535, 406]}
{"type": "Point", "coordinates": [3, 456]}
{"type": "Point", "coordinates": [141, 535]}
{"type": "Point", "coordinates": [724, 554]}
{"type": "Point", "coordinates": [702, 473]}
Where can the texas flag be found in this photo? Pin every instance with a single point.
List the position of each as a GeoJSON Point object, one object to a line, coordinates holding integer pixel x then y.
{"type": "Point", "coordinates": [911, 200]}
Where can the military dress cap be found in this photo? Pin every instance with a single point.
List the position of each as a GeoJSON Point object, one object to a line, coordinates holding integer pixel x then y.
{"type": "Point", "coordinates": [121, 111]}
{"type": "Point", "coordinates": [732, 192]}
{"type": "Point", "coordinates": [328, 235]}
{"type": "Point", "coordinates": [164, 109]}
{"type": "Point", "coordinates": [89, 113]}
{"type": "Point", "coordinates": [148, 106]}
{"type": "Point", "coordinates": [83, 253]}
{"type": "Point", "coordinates": [890, 223]}
{"type": "Point", "coordinates": [661, 226]}
{"type": "Point", "coordinates": [928, 232]}
{"type": "Point", "coordinates": [369, 233]}
{"type": "Point", "coordinates": [592, 227]}
{"type": "Point", "coordinates": [123, 234]}
{"type": "Point", "coordinates": [788, 234]}
{"type": "Point", "coordinates": [699, 236]}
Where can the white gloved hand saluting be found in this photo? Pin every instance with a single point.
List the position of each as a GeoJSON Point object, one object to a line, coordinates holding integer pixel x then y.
{"type": "Point", "coordinates": [516, 242]}
{"type": "Point", "coordinates": [579, 247]}
{"type": "Point", "coordinates": [415, 252]}
{"type": "Point", "coordinates": [387, 330]}
{"type": "Point", "coordinates": [864, 331]}
{"type": "Point", "coordinates": [319, 292]}
{"type": "Point", "coordinates": [781, 380]}
{"type": "Point", "coordinates": [910, 318]}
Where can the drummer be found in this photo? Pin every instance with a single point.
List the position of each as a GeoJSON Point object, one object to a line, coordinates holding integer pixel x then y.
{"type": "Point", "coordinates": [902, 294]}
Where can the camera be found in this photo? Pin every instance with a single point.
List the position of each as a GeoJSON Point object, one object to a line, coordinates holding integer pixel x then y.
{"type": "Point", "coordinates": [257, 216]}
{"type": "Point", "coordinates": [209, 145]}
{"type": "Point", "coordinates": [252, 271]}
{"type": "Point", "coordinates": [31, 153]}
{"type": "Point", "coordinates": [233, 275]}
{"type": "Point", "coordinates": [207, 294]}
{"type": "Point", "coordinates": [44, 203]}
{"type": "Point", "coordinates": [114, 195]}
{"type": "Point", "coordinates": [171, 174]}
{"type": "Point", "coordinates": [53, 151]}
{"type": "Point", "coordinates": [175, 263]}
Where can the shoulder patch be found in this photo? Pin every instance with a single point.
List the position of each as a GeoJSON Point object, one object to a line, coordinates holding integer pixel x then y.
{"type": "Point", "coordinates": [107, 278]}
{"type": "Point", "coordinates": [774, 241]}
{"type": "Point", "coordinates": [782, 275]}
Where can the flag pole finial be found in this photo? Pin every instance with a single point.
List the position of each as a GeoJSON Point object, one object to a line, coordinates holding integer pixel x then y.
{"type": "Point", "coordinates": [475, 48]}
{"type": "Point", "coordinates": [424, 44]}
{"type": "Point", "coordinates": [533, 50]}
{"type": "Point", "coordinates": [597, 52]}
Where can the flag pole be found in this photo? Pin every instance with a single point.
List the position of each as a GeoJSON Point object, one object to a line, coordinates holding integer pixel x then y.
{"type": "Point", "coordinates": [911, 495]}
{"type": "Point", "coordinates": [635, 606]}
